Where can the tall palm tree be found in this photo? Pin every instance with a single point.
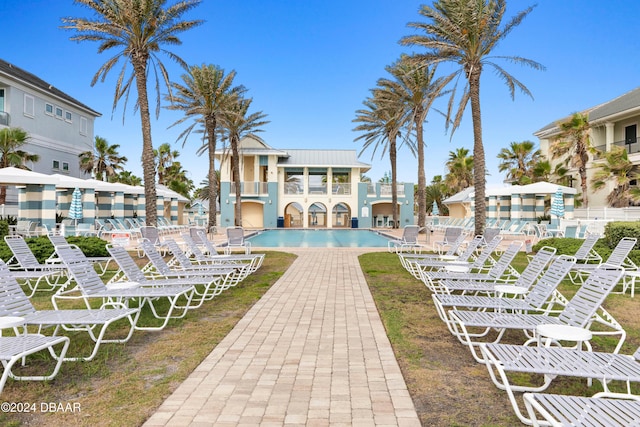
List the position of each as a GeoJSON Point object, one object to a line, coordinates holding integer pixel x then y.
{"type": "Point", "coordinates": [205, 95]}
{"type": "Point", "coordinates": [127, 177]}
{"type": "Point", "coordinates": [574, 142]}
{"type": "Point", "coordinates": [176, 179]}
{"type": "Point", "coordinates": [418, 89]}
{"type": "Point", "coordinates": [164, 157]}
{"type": "Point", "coordinates": [381, 121]}
{"type": "Point", "coordinates": [11, 139]}
{"type": "Point", "coordinates": [236, 126]}
{"type": "Point", "coordinates": [465, 33]}
{"type": "Point", "coordinates": [519, 161]}
{"type": "Point", "coordinates": [138, 30]}
{"type": "Point", "coordinates": [104, 161]}
{"type": "Point", "coordinates": [617, 168]}
{"type": "Point", "coordinates": [460, 168]}
{"type": "Point", "coordinates": [437, 191]}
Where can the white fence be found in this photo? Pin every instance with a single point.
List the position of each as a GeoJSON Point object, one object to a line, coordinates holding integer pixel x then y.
{"type": "Point", "coordinates": [610, 214]}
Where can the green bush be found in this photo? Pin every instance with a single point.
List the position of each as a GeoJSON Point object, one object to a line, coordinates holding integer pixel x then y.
{"type": "Point", "coordinates": [616, 231]}
{"type": "Point", "coordinates": [42, 247]}
{"type": "Point", "coordinates": [4, 228]}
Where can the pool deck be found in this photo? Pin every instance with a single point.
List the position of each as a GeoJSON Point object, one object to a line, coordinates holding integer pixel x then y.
{"type": "Point", "coordinates": [311, 352]}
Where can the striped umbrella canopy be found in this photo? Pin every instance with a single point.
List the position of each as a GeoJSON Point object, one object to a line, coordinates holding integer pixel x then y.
{"type": "Point", "coordinates": [75, 209]}
{"type": "Point", "coordinates": [557, 204]}
{"type": "Point", "coordinates": [434, 209]}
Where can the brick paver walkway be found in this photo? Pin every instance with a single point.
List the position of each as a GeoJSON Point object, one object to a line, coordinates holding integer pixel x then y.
{"type": "Point", "coordinates": [312, 352]}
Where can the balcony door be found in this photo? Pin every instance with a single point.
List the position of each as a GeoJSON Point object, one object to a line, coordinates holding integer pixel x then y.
{"type": "Point", "coordinates": [630, 137]}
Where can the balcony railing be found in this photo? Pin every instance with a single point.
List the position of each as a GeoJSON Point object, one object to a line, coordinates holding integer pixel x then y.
{"type": "Point", "coordinates": [5, 118]}
{"type": "Point", "coordinates": [631, 145]}
{"type": "Point", "coordinates": [386, 190]}
{"type": "Point", "coordinates": [342, 188]}
{"type": "Point", "coordinates": [251, 188]}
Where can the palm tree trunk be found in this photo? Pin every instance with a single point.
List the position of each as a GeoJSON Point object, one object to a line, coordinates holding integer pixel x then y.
{"type": "Point", "coordinates": [422, 180]}
{"type": "Point", "coordinates": [210, 124]}
{"type": "Point", "coordinates": [394, 183]}
{"type": "Point", "coordinates": [235, 166]}
{"type": "Point", "coordinates": [478, 153]}
{"type": "Point", "coordinates": [148, 160]}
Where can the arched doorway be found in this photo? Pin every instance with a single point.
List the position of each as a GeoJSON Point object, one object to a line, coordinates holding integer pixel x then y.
{"type": "Point", "coordinates": [381, 214]}
{"type": "Point", "coordinates": [293, 215]}
{"type": "Point", "coordinates": [340, 215]}
{"type": "Point", "coordinates": [317, 215]}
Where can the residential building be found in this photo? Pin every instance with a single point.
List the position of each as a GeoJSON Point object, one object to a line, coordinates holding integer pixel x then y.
{"type": "Point", "coordinates": [613, 123]}
{"type": "Point", "coordinates": [59, 126]}
{"type": "Point", "coordinates": [306, 189]}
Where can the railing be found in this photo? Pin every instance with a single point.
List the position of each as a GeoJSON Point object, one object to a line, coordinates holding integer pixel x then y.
{"type": "Point", "coordinates": [293, 188]}
{"type": "Point", "coordinates": [386, 190]}
{"type": "Point", "coordinates": [631, 145]}
{"type": "Point", "coordinates": [251, 188]}
{"type": "Point", "coordinates": [5, 118]}
{"type": "Point", "coordinates": [342, 188]}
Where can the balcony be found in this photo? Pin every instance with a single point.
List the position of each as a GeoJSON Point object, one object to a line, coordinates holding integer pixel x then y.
{"type": "Point", "coordinates": [251, 188]}
{"type": "Point", "coordinates": [632, 145]}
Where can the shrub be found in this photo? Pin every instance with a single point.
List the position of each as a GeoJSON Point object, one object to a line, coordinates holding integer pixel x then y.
{"type": "Point", "coordinates": [616, 231]}
{"type": "Point", "coordinates": [42, 247]}
{"type": "Point", "coordinates": [4, 228]}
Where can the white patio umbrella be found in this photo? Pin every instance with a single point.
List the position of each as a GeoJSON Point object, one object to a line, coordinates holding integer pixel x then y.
{"type": "Point", "coordinates": [557, 204]}
{"type": "Point", "coordinates": [75, 209]}
{"type": "Point", "coordinates": [434, 209]}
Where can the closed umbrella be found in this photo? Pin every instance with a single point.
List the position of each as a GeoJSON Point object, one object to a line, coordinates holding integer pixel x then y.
{"type": "Point", "coordinates": [75, 209]}
{"type": "Point", "coordinates": [434, 209]}
{"type": "Point", "coordinates": [557, 204]}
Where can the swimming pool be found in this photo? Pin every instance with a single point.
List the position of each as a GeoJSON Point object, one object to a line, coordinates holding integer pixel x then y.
{"type": "Point", "coordinates": [316, 238]}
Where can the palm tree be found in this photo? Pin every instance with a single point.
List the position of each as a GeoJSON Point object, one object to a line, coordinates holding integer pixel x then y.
{"type": "Point", "coordinates": [11, 139]}
{"type": "Point", "coordinates": [138, 30]}
{"type": "Point", "coordinates": [617, 168]}
{"type": "Point", "coordinates": [381, 121]}
{"type": "Point", "coordinates": [418, 89]}
{"type": "Point", "coordinates": [164, 158]}
{"type": "Point", "coordinates": [127, 177]}
{"type": "Point", "coordinates": [237, 125]}
{"type": "Point", "coordinates": [519, 161]}
{"type": "Point", "coordinates": [104, 161]}
{"type": "Point", "coordinates": [465, 33]}
{"type": "Point", "coordinates": [574, 142]}
{"type": "Point", "coordinates": [437, 192]}
{"type": "Point", "coordinates": [176, 179]}
{"type": "Point", "coordinates": [461, 170]}
{"type": "Point", "coordinates": [207, 93]}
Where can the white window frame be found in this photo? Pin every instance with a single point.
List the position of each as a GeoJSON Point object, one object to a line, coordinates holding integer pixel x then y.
{"type": "Point", "coordinates": [46, 109]}
{"type": "Point", "coordinates": [53, 165]}
{"type": "Point", "coordinates": [58, 110]}
{"type": "Point", "coordinates": [65, 166]}
{"type": "Point", "coordinates": [68, 117]}
{"type": "Point", "coordinates": [84, 126]}
{"type": "Point", "coordinates": [29, 109]}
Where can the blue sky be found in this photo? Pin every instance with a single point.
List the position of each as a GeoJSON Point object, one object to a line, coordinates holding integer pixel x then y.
{"type": "Point", "coordinates": [309, 65]}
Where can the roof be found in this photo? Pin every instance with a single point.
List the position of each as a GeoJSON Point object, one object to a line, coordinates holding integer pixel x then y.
{"type": "Point", "coordinates": [323, 158]}
{"type": "Point", "coordinates": [623, 104]}
{"type": "Point", "coordinates": [32, 80]}
{"type": "Point", "coordinates": [542, 187]}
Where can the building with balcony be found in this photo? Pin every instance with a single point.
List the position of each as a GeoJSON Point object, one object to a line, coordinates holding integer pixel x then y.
{"type": "Point", "coordinates": [613, 123]}
{"type": "Point", "coordinates": [306, 189]}
{"type": "Point", "coordinates": [59, 126]}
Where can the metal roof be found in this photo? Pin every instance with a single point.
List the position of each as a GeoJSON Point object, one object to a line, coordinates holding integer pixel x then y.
{"type": "Point", "coordinates": [32, 80]}
{"type": "Point", "coordinates": [323, 158]}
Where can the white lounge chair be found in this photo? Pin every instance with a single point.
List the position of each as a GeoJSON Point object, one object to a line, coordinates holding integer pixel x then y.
{"type": "Point", "coordinates": [413, 263]}
{"type": "Point", "coordinates": [235, 239]}
{"type": "Point", "coordinates": [54, 275]}
{"type": "Point", "coordinates": [408, 241]}
{"type": "Point", "coordinates": [500, 271]}
{"type": "Point", "coordinates": [450, 236]}
{"type": "Point", "coordinates": [506, 363]}
{"type": "Point", "coordinates": [13, 302]}
{"type": "Point", "coordinates": [579, 313]}
{"type": "Point", "coordinates": [101, 262]}
{"type": "Point", "coordinates": [540, 297]}
{"type": "Point", "coordinates": [254, 260]}
{"type": "Point", "coordinates": [559, 411]}
{"type": "Point", "coordinates": [89, 286]}
{"type": "Point", "coordinates": [618, 257]}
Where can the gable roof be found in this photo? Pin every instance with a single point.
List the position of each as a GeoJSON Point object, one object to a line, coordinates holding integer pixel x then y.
{"type": "Point", "coordinates": [622, 105]}
{"type": "Point", "coordinates": [323, 158]}
{"type": "Point", "coordinates": [29, 79]}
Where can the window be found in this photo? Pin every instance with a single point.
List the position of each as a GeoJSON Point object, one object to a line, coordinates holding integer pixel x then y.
{"type": "Point", "coordinates": [65, 166]}
{"type": "Point", "coordinates": [84, 126]}
{"type": "Point", "coordinates": [56, 164]}
{"type": "Point", "coordinates": [2, 100]}
{"type": "Point", "coordinates": [48, 109]}
{"type": "Point", "coordinates": [67, 116]}
{"type": "Point", "coordinates": [29, 106]}
{"type": "Point", "coordinates": [59, 113]}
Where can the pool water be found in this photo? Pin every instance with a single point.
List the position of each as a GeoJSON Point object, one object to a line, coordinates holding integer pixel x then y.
{"type": "Point", "coordinates": [315, 238]}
